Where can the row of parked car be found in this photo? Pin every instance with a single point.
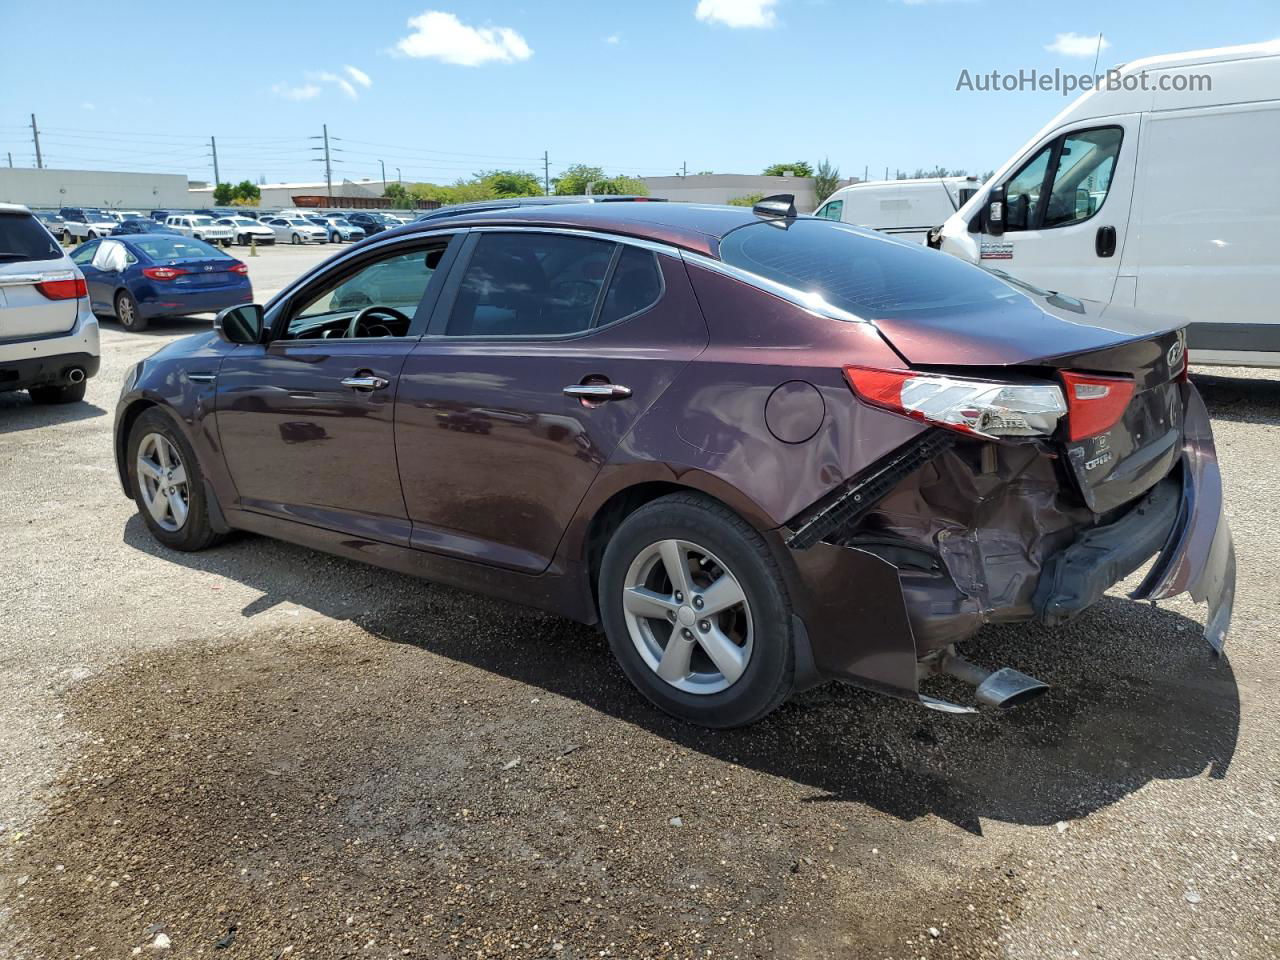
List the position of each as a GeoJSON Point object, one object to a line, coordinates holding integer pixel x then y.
{"type": "Point", "coordinates": [74, 225]}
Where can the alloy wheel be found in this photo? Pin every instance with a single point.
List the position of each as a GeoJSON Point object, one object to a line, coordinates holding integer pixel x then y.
{"type": "Point", "coordinates": [688, 616]}
{"type": "Point", "coordinates": [125, 311]}
{"type": "Point", "coordinates": [162, 480]}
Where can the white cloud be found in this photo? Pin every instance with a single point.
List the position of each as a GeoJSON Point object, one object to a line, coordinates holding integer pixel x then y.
{"type": "Point", "coordinates": [359, 76]}
{"type": "Point", "coordinates": [1076, 45]}
{"type": "Point", "coordinates": [613, 39]}
{"type": "Point", "coordinates": [88, 105]}
{"type": "Point", "coordinates": [738, 13]}
{"type": "Point", "coordinates": [301, 91]}
{"type": "Point", "coordinates": [342, 83]}
{"type": "Point", "coordinates": [442, 36]}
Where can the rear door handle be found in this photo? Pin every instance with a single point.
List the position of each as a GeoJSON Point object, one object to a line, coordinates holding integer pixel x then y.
{"type": "Point", "coordinates": [365, 382]}
{"type": "Point", "coordinates": [1104, 243]}
{"type": "Point", "coordinates": [598, 392]}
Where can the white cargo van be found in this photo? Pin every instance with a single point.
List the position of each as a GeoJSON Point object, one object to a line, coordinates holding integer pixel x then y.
{"type": "Point", "coordinates": [909, 209]}
{"type": "Point", "coordinates": [1159, 192]}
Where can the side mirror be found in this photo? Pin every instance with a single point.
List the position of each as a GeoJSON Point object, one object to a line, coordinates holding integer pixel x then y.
{"type": "Point", "coordinates": [243, 324]}
{"type": "Point", "coordinates": [995, 212]}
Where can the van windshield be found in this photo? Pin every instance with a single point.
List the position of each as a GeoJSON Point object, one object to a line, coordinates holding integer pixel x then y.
{"type": "Point", "coordinates": [859, 271]}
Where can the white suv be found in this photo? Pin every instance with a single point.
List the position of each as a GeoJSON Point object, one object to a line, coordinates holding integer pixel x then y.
{"type": "Point", "coordinates": [202, 227]}
{"type": "Point", "coordinates": [48, 333]}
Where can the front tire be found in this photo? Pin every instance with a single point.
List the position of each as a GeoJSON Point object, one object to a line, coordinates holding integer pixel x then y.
{"type": "Point", "coordinates": [128, 314]}
{"type": "Point", "coordinates": [296, 239]}
{"type": "Point", "coordinates": [70, 393]}
{"type": "Point", "coordinates": [167, 484]}
{"type": "Point", "coordinates": [697, 613]}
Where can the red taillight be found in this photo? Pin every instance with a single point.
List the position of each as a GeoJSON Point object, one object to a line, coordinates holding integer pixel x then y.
{"type": "Point", "coordinates": [1185, 375]}
{"type": "Point", "coordinates": [71, 288]}
{"type": "Point", "coordinates": [982, 408]}
{"type": "Point", "coordinates": [241, 268]}
{"type": "Point", "coordinates": [1095, 404]}
{"type": "Point", "coordinates": [163, 273]}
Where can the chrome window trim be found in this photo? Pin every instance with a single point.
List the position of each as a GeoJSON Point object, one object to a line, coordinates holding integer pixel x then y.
{"type": "Point", "coordinates": [664, 248]}
{"type": "Point", "coordinates": [808, 301]}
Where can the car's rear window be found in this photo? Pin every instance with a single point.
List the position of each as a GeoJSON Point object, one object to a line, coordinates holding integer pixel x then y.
{"type": "Point", "coordinates": [177, 248]}
{"type": "Point", "coordinates": [857, 271]}
{"type": "Point", "coordinates": [23, 238]}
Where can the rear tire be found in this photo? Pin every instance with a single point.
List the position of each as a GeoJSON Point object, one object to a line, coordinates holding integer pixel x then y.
{"type": "Point", "coordinates": [740, 664]}
{"type": "Point", "coordinates": [128, 314]}
{"type": "Point", "coordinates": [150, 434]}
{"type": "Point", "coordinates": [70, 393]}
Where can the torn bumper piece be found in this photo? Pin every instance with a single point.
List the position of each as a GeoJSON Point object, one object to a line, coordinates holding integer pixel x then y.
{"type": "Point", "coordinates": [862, 615]}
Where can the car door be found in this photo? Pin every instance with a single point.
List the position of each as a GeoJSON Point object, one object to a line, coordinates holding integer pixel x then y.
{"type": "Point", "coordinates": [544, 350]}
{"type": "Point", "coordinates": [110, 260]}
{"type": "Point", "coordinates": [83, 258]}
{"type": "Point", "coordinates": [306, 420]}
{"type": "Point", "coordinates": [1067, 211]}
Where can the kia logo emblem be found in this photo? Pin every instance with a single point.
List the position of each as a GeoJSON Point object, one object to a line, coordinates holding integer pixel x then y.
{"type": "Point", "coordinates": [1176, 352]}
{"type": "Point", "coordinates": [208, 269]}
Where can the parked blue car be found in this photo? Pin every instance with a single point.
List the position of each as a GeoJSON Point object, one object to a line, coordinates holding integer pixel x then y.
{"type": "Point", "coordinates": [139, 278]}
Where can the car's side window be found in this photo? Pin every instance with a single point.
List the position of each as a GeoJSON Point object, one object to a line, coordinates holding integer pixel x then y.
{"type": "Point", "coordinates": [831, 211]}
{"type": "Point", "coordinates": [530, 284]}
{"type": "Point", "coordinates": [1086, 161]}
{"type": "Point", "coordinates": [391, 287]}
{"type": "Point", "coordinates": [636, 285]}
{"type": "Point", "coordinates": [84, 256]}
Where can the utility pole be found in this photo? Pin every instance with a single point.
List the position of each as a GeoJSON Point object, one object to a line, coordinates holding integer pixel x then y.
{"type": "Point", "coordinates": [213, 145]}
{"type": "Point", "coordinates": [328, 164]}
{"type": "Point", "coordinates": [684, 168]}
{"type": "Point", "coordinates": [546, 174]}
{"type": "Point", "coordinates": [35, 135]}
{"type": "Point", "coordinates": [384, 175]}
{"type": "Point", "coordinates": [11, 161]}
{"type": "Point", "coordinates": [399, 179]}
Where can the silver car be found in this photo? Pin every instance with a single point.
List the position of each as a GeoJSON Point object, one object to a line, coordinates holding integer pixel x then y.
{"type": "Point", "coordinates": [48, 333]}
{"type": "Point", "coordinates": [341, 230]}
{"type": "Point", "coordinates": [297, 230]}
{"type": "Point", "coordinates": [201, 227]}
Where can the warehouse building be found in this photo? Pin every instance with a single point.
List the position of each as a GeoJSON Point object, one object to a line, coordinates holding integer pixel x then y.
{"type": "Point", "coordinates": [51, 189]}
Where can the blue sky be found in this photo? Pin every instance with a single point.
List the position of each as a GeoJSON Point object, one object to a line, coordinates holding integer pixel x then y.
{"type": "Point", "coordinates": [442, 88]}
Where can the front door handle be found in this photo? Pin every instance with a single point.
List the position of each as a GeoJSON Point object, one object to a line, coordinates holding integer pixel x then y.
{"type": "Point", "coordinates": [1104, 243]}
{"type": "Point", "coordinates": [365, 382]}
{"type": "Point", "coordinates": [598, 392]}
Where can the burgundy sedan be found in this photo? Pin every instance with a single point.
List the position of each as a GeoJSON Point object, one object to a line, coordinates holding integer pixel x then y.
{"type": "Point", "coordinates": [761, 450]}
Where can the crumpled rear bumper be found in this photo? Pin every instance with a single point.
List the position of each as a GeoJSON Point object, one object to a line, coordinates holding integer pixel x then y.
{"type": "Point", "coordinates": [856, 625]}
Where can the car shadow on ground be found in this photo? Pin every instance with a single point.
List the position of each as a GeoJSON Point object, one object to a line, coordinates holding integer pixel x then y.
{"type": "Point", "coordinates": [17, 412]}
{"type": "Point", "coordinates": [1242, 399]}
{"type": "Point", "coordinates": [1137, 695]}
{"type": "Point", "coordinates": [163, 326]}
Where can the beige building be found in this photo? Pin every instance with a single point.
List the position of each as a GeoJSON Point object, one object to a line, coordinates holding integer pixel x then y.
{"type": "Point", "coordinates": [52, 189]}
{"type": "Point", "coordinates": [279, 196]}
{"type": "Point", "coordinates": [723, 187]}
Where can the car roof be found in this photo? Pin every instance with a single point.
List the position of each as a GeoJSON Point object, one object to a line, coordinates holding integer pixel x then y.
{"type": "Point", "coordinates": [693, 226]}
{"type": "Point", "coordinates": [13, 208]}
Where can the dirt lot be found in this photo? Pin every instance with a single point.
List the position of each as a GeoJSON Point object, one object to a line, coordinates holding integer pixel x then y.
{"type": "Point", "coordinates": [264, 752]}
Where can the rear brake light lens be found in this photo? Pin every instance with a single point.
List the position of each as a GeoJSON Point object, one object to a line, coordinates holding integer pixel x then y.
{"type": "Point", "coordinates": [979, 408]}
{"type": "Point", "coordinates": [163, 273]}
{"type": "Point", "coordinates": [240, 268]}
{"type": "Point", "coordinates": [1185, 375]}
{"type": "Point", "coordinates": [1095, 404]}
{"type": "Point", "coordinates": [63, 288]}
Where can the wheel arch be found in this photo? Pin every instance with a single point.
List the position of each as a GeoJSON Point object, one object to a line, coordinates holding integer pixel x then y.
{"type": "Point", "coordinates": [124, 426]}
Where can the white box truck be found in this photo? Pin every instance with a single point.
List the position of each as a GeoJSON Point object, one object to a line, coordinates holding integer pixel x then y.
{"type": "Point", "coordinates": [1160, 190]}
{"type": "Point", "coordinates": [907, 209]}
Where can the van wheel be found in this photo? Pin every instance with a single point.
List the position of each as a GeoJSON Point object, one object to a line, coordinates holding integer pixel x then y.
{"type": "Point", "coordinates": [128, 314]}
{"type": "Point", "coordinates": [697, 613]}
{"type": "Point", "coordinates": [167, 484]}
{"type": "Point", "coordinates": [71, 393]}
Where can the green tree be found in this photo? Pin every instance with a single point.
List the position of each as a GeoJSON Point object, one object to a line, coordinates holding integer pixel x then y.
{"type": "Point", "coordinates": [750, 200]}
{"type": "Point", "coordinates": [800, 169]}
{"type": "Point", "coordinates": [511, 183]}
{"type": "Point", "coordinates": [400, 196]}
{"type": "Point", "coordinates": [575, 180]}
{"type": "Point", "coordinates": [246, 193]}
{"type": "Point", "coordinates": [222, 195]}
{"type": "Point", "coordinates": [826, 180]}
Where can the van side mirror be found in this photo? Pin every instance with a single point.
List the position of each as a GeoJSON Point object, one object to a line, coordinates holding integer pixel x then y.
{"type": "Point", "coordinates": [994, 216]}
{"type": "Point", "coordinates": [243, 324]}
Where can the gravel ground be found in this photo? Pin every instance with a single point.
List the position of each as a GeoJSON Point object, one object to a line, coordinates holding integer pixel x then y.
{"type": "Point", "coordinates": [270, 752]}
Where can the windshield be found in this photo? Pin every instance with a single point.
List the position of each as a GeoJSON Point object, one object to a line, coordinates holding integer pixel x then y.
{"type": "Point", "coordinates": [300, 223]}
{"type": "Point", "coordinates": [202, 221]}
{"type": "Point", "coordinates": [856, 270]}
{"type": "Point", "coordinates": [91, 214]}
{"type": "Point", "coordinates": [340, 221]}
{"type": "Point", "coordinates": [178, 248]}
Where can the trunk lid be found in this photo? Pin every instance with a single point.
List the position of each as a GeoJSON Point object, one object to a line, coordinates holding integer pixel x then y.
{"type": "Point", "coordinates": [1044, 334]}
{"type": "Point", "coordinates": [201, 271]}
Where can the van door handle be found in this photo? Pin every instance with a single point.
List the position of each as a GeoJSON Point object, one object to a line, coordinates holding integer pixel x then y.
{"type": "Point", "coordinates": [1104, 243]}
{"type": "Point", "coordinates": [597, 392]}
{"type": "Point", "coordinates": [368, 382]}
